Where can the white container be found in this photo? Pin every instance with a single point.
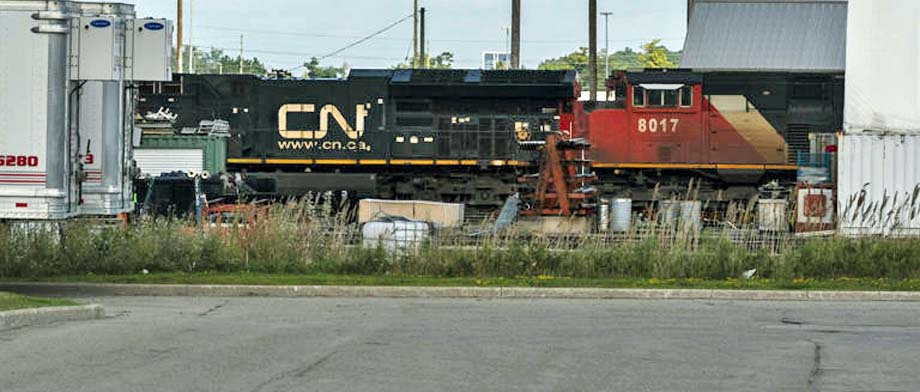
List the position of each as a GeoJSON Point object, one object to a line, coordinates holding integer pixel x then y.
{"type": "Point", "coordinates": [620, 215]}
{"type": "Point", "coordinates": [878, 178]}
{"type": "Point", "coordinates": [691, 215]}
{"type": "Point", "coordinates": [395, 234]}
{"type": "Point", "coordinates": [36, 179]}
{"type": "Point", "coordinates": [773, 215]}
{"type": "Point", "coordinates": [883, 66]}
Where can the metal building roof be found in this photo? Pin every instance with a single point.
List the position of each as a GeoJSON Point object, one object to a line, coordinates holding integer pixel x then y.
{"type": "Point", "coordinates": [767, 35]}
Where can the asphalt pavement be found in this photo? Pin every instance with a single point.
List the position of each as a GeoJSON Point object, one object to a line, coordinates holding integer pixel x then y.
{"type": "Point", "coordinates": [339, 344]}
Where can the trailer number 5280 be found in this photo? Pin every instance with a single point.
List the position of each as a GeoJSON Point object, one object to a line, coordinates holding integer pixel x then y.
{"type": "Point", "coordinates": [654, 125]}
{"type": "Point", "coordinates": [18, 161]}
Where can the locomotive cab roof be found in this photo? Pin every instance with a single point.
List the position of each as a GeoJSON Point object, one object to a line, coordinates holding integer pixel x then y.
{"type": "Point", "coordinates": [662, 76]}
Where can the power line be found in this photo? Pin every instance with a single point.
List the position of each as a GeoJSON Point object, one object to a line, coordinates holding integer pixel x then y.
{"type": "Point", "coordinates": [362, 40]}
{"type": "Point", "coordinates": [472, 41]}
{"type": "Point", "coordinates": [303, 54]}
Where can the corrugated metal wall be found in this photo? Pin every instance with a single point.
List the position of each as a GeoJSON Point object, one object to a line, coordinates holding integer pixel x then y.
{"type": "Point", "coordinates": [879, 184]}
{"type": "Point", "coordinates": [156, 161]}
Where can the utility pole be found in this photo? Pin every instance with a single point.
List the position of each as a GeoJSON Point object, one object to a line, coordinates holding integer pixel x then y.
{"type": "Point", "coordinates": [220, 65]}
{"type": "Point", "coordinates": [515, 34]}
{"type": "Point", "coordinates": [241, 53]}
{"type": "Point", "coordinates": [606, 46]}
{"type": "Point", "coordinates": [415, 35]}
{"type": "Point", "coordinates": [423, 56]}
{"type": "Point", "coordinates": [179, 37]}
{"type": "Point", "coordinates": [191, 30]}
{"type": "Point", "coordinates": [592, 38]}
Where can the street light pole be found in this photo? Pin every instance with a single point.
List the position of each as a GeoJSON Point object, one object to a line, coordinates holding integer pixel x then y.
{"type": "Point", "coordinates": [607, 45]}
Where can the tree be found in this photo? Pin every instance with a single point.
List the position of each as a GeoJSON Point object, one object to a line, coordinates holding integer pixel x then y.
{"type": "Point", "coordinates": [215, 61]}
{"type": "Point", "coordinates": [315, 70]}
{"type": "Point", "coordinates": [625, 59]}
{"type": "Point", "coordinates": [656, 55]}
{"type": "Point", "coordinates": [445, 60]}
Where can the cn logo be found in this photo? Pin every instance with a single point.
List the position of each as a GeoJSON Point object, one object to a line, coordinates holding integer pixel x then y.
{"type": "Point", "coordinates": [353, 133]}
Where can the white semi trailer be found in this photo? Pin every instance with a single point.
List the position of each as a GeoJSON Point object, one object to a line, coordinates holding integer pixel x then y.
{"type": "Point", "coordinates": [66, 92]}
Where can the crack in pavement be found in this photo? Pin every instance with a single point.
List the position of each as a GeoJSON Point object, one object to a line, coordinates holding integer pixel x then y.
{"type": "Point", "coordinates": [299, 372]}
{"type": "Point", "coordinates": [789, 321]}
{"type": "Point", "coordinates": [816, 370]}
{"type": "Point", "coordinates": [314, 365]}
{"type": "Point", "coordinates": [213, 309]}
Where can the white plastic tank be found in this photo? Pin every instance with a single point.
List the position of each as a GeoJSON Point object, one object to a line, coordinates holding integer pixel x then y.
{"type": "Point", "coordinates": [36, 178]}
{"type": "Point", "coordinates": [395, 233]}
{"type": "Point", "coordinates": [620, 215]}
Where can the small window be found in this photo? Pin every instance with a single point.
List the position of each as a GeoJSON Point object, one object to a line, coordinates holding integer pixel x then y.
{"type": "Point", "coordinates": [670, 98]}
{"type": "Point", "coordinates": [655, 98]}
{"type": "Point", "coordinates": [638, 96]}
{"type": "Point", "coordinates": [686, 96]}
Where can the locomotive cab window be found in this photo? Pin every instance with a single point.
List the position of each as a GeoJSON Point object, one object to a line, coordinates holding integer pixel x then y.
{"type": "Point", "coordinates": [662, 95]}
{"type": "Point", "coordinates": [638, 96]}
{"type": "Point", "coordinates": [686, 96]}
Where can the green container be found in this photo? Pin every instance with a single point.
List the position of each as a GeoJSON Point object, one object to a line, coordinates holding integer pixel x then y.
{"type": "Point", "coordinates": [214, 148]}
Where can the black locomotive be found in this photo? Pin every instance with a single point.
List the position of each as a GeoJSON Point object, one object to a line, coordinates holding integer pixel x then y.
{"type": "Point", "coordinates": [446, 135]}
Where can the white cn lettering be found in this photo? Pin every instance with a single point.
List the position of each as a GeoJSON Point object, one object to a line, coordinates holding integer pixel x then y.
{"type": "Point", "coordinates": [354, 133]}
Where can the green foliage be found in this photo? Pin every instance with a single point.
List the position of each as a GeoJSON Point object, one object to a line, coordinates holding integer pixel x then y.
{"type": "Point", "coordinates": [10, 301]}
{"type": "Point", "coordinates": [445, 60]}
{"type": "Point", "coordinates": [314, 237]}
{"type": "Point", "coordinates": [625, 59]}
{"type": "Point", "coordinates": [655, 55]}
{"type": "Point", "coordinates": [215, 61]}
{"type": "Point", "coordinates": [315, 70]}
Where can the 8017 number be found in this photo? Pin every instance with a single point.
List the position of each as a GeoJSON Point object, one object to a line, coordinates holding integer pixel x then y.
{"type": "Point", "coordinates": [18, 161]}
{"type": "Point", "coordinates": [652, 125]}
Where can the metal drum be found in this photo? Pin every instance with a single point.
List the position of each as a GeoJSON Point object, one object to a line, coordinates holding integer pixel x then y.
{"type": "Point", "coordinates": [603, 216]}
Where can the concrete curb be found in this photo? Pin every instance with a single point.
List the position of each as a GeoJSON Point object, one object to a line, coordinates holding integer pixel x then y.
{"type": "Point", "coordinates": [43, 316]}
{"type": "Point", "coordinates": [111, 289]}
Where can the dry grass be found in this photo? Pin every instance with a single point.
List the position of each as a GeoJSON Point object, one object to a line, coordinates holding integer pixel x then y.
{"type": "Point", "coordinates": [313, 236]}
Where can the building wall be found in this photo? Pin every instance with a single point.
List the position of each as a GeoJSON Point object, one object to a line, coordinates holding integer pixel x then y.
{"type": "Point", "coordinates": [883, 66]}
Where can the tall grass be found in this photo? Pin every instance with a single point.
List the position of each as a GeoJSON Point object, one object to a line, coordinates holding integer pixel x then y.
{"type": "Point", "coordinates": [315, 236]}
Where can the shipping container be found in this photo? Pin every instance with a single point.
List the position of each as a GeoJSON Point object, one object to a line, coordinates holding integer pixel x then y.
{"type": "Point", "coordinates": [166, 154]}
{"type": "Point", "coordinates": [879, 184]}
{"type": "Point", "coordinates": [883, 66]}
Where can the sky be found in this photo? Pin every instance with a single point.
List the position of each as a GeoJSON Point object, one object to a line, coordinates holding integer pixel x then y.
{"type": "Point", "coordinates": [285, 33]}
